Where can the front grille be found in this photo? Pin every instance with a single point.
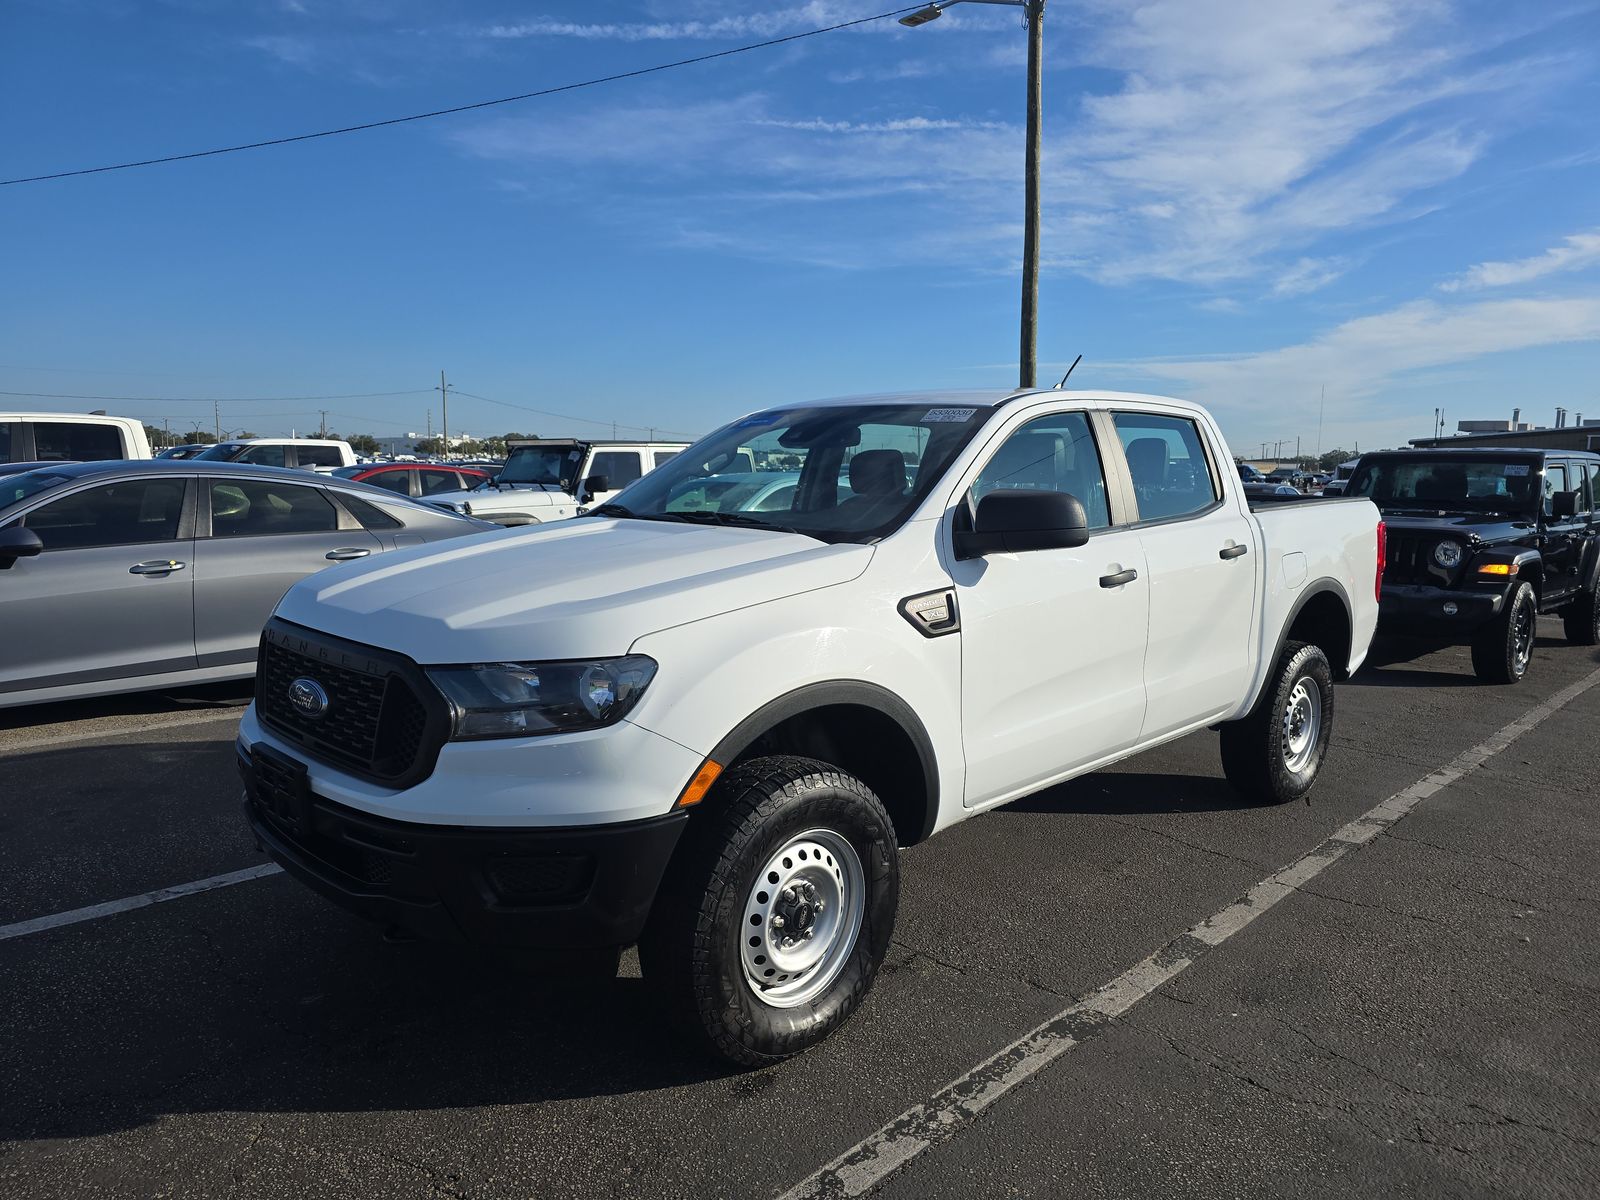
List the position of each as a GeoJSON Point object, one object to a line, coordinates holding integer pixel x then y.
{"type": "Point", "coordinates": [1410, 561]}
{"type": "Point", "coordinates": [378, 722]}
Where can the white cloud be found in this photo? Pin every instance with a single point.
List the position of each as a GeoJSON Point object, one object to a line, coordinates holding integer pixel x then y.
{"type": "Point", "coordinates": [1363, 358]}
{"type": "Point", "coordinates": [1308, 275]}
{"type": "Point", "coordinates": [1578, 251]}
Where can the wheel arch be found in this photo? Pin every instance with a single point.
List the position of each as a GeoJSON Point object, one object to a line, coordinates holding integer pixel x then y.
{"type": "Point", "coordinates": [1323, 615]}
{"type": "Point", "coordinates": [859, 727]}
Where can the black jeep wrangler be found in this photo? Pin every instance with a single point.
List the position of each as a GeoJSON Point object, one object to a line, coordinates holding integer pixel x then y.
{"type": "Point", "coordinates": [1481, 541]}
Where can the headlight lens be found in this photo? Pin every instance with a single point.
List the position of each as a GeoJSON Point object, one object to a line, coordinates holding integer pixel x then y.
{"type": "Point", "coordinates": [1447, 555]}
{"type": "Point", "coordinates": [495, 700]}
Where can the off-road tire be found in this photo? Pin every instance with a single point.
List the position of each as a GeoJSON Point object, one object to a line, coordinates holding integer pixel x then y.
{"type": "Point", "coordinates": [692, 947]}
{"type": "Point", "coordinates": [1255, 748]}
{"type": "Point", "coordinates": [1581, 619]}
{"type": "Point", "coordinates": [1498, 653]}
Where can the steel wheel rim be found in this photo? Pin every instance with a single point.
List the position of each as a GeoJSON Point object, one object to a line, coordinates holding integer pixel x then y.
{"type": "Point", "coordinates": [801, 918]}
{"type": "Point", "coordinates": [1302, 725]}
{"type": "Point", "coordinates": [1522, 648]}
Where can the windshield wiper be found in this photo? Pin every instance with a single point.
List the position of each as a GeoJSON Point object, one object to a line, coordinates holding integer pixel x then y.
{"type": "Point", "coordinates": [611, 510]}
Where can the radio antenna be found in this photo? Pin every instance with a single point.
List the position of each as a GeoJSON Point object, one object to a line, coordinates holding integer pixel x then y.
{"type": "Point", "coordinates": [1068, 375]}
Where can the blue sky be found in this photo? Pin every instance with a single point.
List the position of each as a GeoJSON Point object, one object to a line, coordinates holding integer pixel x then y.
{"type": "Point", "coordinates": [1246, 203]}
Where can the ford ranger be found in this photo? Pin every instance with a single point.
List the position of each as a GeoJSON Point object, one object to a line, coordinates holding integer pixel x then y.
{"type": "Point", "coordinates": [711, 728]}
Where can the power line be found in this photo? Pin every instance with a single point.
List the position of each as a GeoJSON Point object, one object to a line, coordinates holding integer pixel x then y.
{"type": "Point", "coordinates": [214, 399]}
{"type": "Point", "coordinates": [544, 412]}
{"type": "Point", "coordinates": [461, 108]}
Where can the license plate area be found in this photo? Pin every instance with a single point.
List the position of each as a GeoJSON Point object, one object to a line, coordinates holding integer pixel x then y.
{"type": "Point", "coordinates": [282, 789]}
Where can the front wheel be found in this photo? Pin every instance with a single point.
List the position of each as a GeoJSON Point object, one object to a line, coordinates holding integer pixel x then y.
{"type": "Point", "coordinates": [1273, 755]}
{"type": "Point", "coordinates": [1504, 647]}
{"type": "Point", "coordinates": [778, 911]}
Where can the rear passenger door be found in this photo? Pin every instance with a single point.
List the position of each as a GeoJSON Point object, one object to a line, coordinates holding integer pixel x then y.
{"type": "Point", "coordinates": [257, 538]}
{"type": "Point", "coordinates": [111, 595]}
{"type": "Point", "coordinates": [1197, 545]}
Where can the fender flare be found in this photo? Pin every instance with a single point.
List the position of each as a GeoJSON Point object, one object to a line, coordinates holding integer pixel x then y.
{"type": "Point", "coordinates": [1326, 586]}
{"type": "Point", "coordinates": [826, 694]}
{"type": "Point", "coordinates": [1518, 557]}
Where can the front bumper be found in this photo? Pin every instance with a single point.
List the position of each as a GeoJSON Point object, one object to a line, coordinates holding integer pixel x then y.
{"type": "Point", "coordinates": [1420, 610]}
{"type": "Point", "coordinates": [556, 888]}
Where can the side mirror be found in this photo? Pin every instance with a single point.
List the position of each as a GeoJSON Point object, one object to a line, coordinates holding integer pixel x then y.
{"type": "Point", "coordinates": [594, 485]}
{"type": "Point", "coordinates": [18, 541]}
{"type": "Point", "coordinates": [1564, 504]}
{"type": "Point", "coordinates": [1013, 521]}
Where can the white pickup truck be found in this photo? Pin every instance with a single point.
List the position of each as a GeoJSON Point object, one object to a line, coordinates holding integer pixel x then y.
{"type": "Point", "coordinates": [694, 721]}
{"type": "Point", "coordinates": [551, 479]}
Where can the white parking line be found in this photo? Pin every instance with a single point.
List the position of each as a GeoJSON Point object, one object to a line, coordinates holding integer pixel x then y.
{"type": "Point", "coordinates": [128, 903]}
{"type": "Point", "coordinates": [954, 1107]}
{"type": "Point", "coordinates": [173, 722]}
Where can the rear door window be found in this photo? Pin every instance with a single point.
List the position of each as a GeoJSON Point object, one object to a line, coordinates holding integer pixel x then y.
{"type": "Point", "coordinates": [369, 514]}
{"type": "Point", "coordinates": [662, 456]}
{"type": "Point", "coordinates": [72, 441]}
{"type": "Point", "coordinates": [116, 514]}
{"type": "Point", "coordinates": [319, 456]}
{"type": "Point", "coordinates": [398, 482]}
{"type": "Point", "coordinates": [265, 456]}
{"type": "Point", "coordinates": [1167, 460]}
{"type": "Point", "coordinates": [6, 443]}
{"type": "Point", "coordinates": [620, 467]}
{"type": "Point", "coordinates": [258, 507]}
{"type": "Point", "coordinates": [434, 482]}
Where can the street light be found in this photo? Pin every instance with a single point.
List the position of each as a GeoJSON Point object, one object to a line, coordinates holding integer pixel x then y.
{"type": "Point", "coordinates": [1034, 9]}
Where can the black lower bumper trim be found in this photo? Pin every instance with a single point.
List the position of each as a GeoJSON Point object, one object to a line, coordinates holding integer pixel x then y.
{"type": "Point", "coordinates": [567, 888]}
{"type": "Point", "coordinates": [1420, 610]}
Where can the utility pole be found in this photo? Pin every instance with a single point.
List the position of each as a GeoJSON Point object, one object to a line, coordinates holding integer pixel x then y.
{"type": "Point", "coordinates": [166, 430]}
{"type": "Point", "coordinates": [323, 431]}
{"type": "Point", "coordinates": [1030, 222]}
{"type": "Point", "coordinates": [444, 414]}
{"type": "Point", "coordinates": [216, 418]}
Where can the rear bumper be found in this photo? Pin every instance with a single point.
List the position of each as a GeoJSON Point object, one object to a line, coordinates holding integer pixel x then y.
{"type": "Point", "coordinates": [566, 888]}
{"type": "Point", "coordinates": [1421, 610]}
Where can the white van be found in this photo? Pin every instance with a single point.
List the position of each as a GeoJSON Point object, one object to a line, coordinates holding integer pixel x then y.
{"type": "Point", "coordinates": [326, 455]}
{"type": "Point", "coordinates": [70, 437]}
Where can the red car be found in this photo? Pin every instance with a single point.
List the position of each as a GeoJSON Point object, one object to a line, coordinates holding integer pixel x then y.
{"type": "Point", "coordinates": [416, 479]}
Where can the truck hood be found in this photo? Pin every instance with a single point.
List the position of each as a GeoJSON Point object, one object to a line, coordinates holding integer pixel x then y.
{"type": "Point", "coordinates": [517, 495]}
{"type": "Point", "coordinates": [1488, 527]}
{"type": "Point", "coordinates": [576, 589]}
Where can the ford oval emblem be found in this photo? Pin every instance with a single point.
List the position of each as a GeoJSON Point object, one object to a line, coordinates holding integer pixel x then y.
{"type": "Point", "coordinates": [308, 697]}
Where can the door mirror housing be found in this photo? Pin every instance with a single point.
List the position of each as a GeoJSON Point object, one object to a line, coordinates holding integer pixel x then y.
{"type": "Point", "coordinates": [18, 541]}
{"type": "Point", "coordinates": [1014, 521]}
{"type": "Point", "coordinates": [1564, 504]}
{"type": "Point", "coordinates": [594, 485]}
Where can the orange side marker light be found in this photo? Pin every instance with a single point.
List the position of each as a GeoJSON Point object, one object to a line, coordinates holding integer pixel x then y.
{"type": "Point", "coordinates": [700, 784]}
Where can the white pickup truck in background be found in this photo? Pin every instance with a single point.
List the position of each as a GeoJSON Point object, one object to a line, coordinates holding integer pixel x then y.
{"type": "Point", "coordinates": [701, 722]}
{"type": "Point", "coordinates": [551, 479]}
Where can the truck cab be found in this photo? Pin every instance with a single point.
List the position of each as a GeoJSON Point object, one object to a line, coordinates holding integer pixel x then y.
{"type": "Point", "coordinates": [551, 479]}
{"type": "Point", "coordinates": [1482, 541]}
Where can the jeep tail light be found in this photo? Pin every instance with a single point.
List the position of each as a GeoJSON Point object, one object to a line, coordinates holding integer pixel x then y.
{"type": "Point", "coordinates": [1383, 560]}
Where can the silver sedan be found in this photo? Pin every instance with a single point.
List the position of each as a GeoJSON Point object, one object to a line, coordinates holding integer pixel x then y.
{"type": "Point", "coordinates": [125, 576]}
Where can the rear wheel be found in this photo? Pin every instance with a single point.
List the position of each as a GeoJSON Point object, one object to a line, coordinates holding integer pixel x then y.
{"type": "Point", "coordinates": [1273, 755]}
{"type": "Point", "coordinates": [1581, 618]}
{"type": "Point", "coordinates": [778, 910]}
{"type": "Point", "coordinates": [1503, 648]}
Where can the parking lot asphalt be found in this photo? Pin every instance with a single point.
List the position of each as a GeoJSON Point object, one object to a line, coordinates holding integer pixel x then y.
{"type": "Point", "coordinates": [1418, 1019]}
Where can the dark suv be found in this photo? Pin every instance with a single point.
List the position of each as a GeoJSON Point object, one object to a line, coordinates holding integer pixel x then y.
{"type": "Point", "coordinates": [1481, 542]}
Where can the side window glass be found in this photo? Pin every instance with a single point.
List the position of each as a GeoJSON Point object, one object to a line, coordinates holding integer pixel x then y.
{"type": "Point", "coordinates": [1168, 463]}
{"type": "Point", "coordinates": [117, 514]}
{"type": "Point", "coordinates": [620, 467]}
{"type": "Point", "coordinates": [1591, 478]}
{"type": "Point", "coordinates": [398, 482]}
{"type": "Point", "coordinates": [5, 443]}
{"type": "Point", "coordinates": [434, 482]}
{"type": "Point", "coordinates": [369, 514]}
{"type": "Point", "coordinates": [264, 456]}
{"type": "Point", "coordinates": [253, 507]}
{"type": "Point", "coordinates": [69, 441]}
{"type": "Point", "coordinates": [663, 456]}
{"type": "Point", "coordinates": [1055, 453]}
{"type": "Point", "coordinates": [1555, 480]}
{"type": "Point", "coordinates": [319, 456]}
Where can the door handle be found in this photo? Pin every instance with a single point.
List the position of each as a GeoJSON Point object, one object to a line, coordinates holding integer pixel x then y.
{"type": "Point", "coordinates": [1232, 551]}
{"type": "Point", "coordinates": [346, 554]}
{"type": "Point", "coordinates": [1120, 578]}
{"type": "Point", "coordinates": [165, 566]}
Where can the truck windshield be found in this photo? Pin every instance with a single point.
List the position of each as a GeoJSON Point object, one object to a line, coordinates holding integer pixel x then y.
{"type": "Point", "coordinates": [221, 452]}
{"type": "Point", "coordinates": [1470, 484]}
{"type": "Point", "coordinates": [839, 473]}
{"type": "Point", "coordinates": [547, 466]}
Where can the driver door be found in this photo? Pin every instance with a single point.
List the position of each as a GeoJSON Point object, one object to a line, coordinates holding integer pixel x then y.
{"type": "Point", "coordinates": [1052, 650]}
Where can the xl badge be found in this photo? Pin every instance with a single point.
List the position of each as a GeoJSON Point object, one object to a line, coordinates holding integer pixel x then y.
{"type": "Point", "coordinates": [932, 614]}
{"type": "Point", "coordinates": [308, 698]}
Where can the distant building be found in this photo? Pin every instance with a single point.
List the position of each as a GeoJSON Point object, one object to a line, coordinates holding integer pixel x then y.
{"type": "Point", "coordinates": [1578, 434]}
{"type": "Point", "coordinates": [396, 447]}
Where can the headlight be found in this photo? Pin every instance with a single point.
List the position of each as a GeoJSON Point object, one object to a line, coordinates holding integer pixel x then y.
{"type": "Point", "coordinates": [494, 700]}
{"type": "Point", "coordinates": [1447, 555]}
